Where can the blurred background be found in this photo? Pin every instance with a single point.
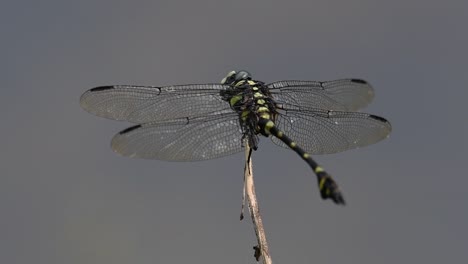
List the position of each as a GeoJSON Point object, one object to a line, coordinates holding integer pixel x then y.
{"type": "Point", "coordinates": [65, 197]}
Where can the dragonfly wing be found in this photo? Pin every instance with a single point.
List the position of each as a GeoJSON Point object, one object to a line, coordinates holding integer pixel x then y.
{"type": "Point", "coordinates": [325, 132]}
{"type": "Point", "coordinates": [182, 139]}
{"type": "Point", "coordinates": [143, 104]}
{"type": "Point", "coordinates": [338, 95]}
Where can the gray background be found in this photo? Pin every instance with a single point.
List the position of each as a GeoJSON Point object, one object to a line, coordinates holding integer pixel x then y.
{"type": "Point", "coordinates": [65, 197]}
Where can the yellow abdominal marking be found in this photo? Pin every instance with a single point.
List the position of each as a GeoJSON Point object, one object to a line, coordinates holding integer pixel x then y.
{"type": "Point", "coordinates": [306, 155]}
{"type": "Point", "coordinates": [269, 125]}
{"type": "Point", "coordinates": [319, 169]}
{"type": "Point", "coordinates": [262, 109]}
{"type": "Point", "coordinates": [322, 183]}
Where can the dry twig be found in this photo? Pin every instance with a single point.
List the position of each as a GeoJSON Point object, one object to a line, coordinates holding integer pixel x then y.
{"type": "Point", "coordinates": [261, 250]}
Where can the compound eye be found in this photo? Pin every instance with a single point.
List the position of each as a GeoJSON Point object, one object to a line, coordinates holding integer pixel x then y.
{"type": "Point", "coordinates": [243, 75]}
{"type": "Point", "coordinates": [229, 79]}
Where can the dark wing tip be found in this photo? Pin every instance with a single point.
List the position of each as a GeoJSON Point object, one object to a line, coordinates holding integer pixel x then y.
{"type": "Point", "coordinates": [101, 88]}
{"type": "Point", "coordinates": [125, 131]}
{"type": "Point", "coordinates": [379, 118]}
{"type": "Point", "coordinates": [361, 81]}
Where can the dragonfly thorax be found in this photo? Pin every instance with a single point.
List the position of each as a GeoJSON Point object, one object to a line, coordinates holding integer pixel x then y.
{"type": "Point", "coordinates": [252, 100]}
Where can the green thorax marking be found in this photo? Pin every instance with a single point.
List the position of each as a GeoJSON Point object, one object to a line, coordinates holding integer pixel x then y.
{"type": "Point", "coordinates": [235, 99]}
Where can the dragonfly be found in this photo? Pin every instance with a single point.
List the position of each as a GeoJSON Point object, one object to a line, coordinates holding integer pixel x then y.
{"type": "Point", "coordinates": [195, 122]}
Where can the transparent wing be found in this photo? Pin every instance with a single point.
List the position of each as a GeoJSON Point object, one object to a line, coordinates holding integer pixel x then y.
{"type": "Point", "coordinates": [338, 95]}
{"type": "Point", "coordinates": [182, 139]}
{"type": "Point", "coordinates": [143, 104]}
{"type": "Point", "coordinates": [325, 132]}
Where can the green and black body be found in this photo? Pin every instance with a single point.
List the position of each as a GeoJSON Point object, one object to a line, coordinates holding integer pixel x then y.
{"type": "Point", "coordinates": [257, 113]}
{"type": "Point", "coordinates": [206, 121]}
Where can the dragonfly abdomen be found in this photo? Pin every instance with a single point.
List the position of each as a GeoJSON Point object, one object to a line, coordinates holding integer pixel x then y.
{"type": "Point", "coordinates": [328, 188]}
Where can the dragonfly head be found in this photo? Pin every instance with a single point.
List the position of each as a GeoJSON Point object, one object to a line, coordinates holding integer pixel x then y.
{"type": "Point", "coordinates": [235, 76]}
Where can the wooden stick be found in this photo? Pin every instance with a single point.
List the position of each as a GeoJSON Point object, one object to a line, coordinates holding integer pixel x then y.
{"type": "Point", "coordinates": [261, 250]}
